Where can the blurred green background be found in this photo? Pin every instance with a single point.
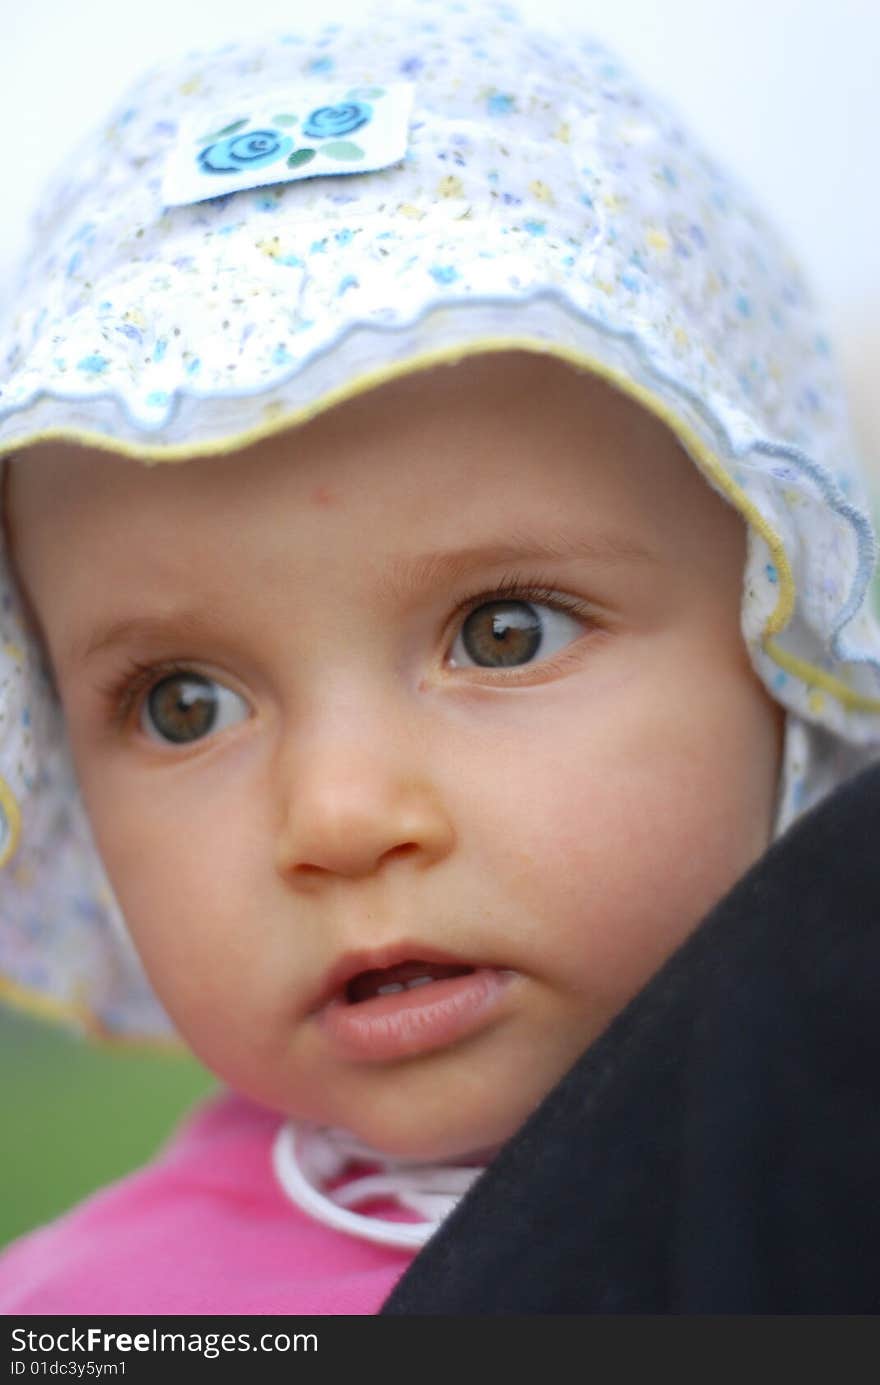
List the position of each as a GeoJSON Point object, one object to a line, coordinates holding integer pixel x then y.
{"type": "Point", "coordinates": [76, 1115]}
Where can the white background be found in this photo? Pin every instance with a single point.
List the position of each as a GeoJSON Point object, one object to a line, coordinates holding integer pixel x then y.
{"type": "Point", "coordinates": [785, 92]}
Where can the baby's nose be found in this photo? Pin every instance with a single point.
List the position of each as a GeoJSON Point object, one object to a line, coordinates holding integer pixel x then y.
{"type": "Point", "coordinates": [350, 811]}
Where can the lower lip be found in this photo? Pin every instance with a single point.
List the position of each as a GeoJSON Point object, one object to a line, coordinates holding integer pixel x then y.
{"type": "Point", "coordinates": [414, 1021]}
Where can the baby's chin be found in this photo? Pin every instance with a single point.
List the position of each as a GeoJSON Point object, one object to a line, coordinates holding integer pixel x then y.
{"type": "Point", "coordinates": [427, 1153]}
{"type": "Point", "coordinates": [418, 1143]}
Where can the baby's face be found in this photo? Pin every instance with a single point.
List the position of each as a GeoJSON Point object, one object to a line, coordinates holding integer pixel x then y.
{"type": "Point", "coordinates": [446, 688]}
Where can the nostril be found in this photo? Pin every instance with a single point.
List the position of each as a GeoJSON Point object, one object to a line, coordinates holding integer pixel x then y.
{"type": "Point", "coordinates": [404, 849]}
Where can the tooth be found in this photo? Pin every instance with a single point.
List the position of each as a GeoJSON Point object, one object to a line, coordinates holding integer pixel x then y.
{"type": "Point", "coordinates": [390, 988]}
{"type": "Point", "coordinates": [419, 981]}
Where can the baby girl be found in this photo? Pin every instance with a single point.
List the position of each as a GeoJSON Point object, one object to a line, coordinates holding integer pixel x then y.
{"type": "Point", "coordinates": [427, 592]}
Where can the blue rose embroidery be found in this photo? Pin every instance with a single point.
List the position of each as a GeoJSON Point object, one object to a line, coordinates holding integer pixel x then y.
{"type": "Point", "coordinates": [239, 153]}
{"type": "Point", "coordinates": [337, 120]}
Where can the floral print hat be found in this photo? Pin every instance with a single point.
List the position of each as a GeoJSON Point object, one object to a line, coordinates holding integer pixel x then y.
{"type": "Point", "coordinates": [260, 232]}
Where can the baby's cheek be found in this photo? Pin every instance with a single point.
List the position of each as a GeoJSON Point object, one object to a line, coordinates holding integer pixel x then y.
{"type": "Point", "coordinates": [635, 841]}
{"type": "Point", "coordinates": [167, 870]}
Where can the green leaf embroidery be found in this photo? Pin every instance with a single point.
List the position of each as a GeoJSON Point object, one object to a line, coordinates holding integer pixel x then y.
{"type": "Point", "coordinates": [227, 130]}
{"type": "Point", "coordinates": [299, 157]}
{"type": "Point", "coordinates": [364, 93]}
{"type": "Point", "coordinates": [284, 120]}
{"type": "Point", "coordinates": [342, 149]}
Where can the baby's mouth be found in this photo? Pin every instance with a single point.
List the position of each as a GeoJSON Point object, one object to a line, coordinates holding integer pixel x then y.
{"type": "Point", "coordinates": [403, 976]}
{"type": "Point", "coordinates": [381, 1014]}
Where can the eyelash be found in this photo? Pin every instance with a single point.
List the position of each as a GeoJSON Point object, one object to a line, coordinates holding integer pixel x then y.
{"type": "Point", "coordinates": [139, 676]}
{"type": "Point", "coordinates": [136, 677]}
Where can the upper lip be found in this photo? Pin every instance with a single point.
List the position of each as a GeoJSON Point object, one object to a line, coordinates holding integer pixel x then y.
{"type": "Point", "coordinates": [351, 964]}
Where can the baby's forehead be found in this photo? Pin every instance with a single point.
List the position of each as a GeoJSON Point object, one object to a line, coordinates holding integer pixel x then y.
{"type": "Point", "coordinates": [506, 437]}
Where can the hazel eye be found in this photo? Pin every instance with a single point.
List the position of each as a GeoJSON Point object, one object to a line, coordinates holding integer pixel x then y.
{"type": "Point", "coordinates": [509, 634]}
{"type": "Point", "coordinates": [186, 707]}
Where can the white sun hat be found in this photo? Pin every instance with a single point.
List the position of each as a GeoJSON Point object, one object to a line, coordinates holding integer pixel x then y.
{"type": "Point", "coordinates": [263, 231]}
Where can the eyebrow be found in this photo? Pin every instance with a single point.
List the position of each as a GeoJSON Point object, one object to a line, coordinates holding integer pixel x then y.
{"type": "Point", "coordinates": [403, 575]}
{"type": "Point", "coordinates": [182, 625]}
{"type": "Point", "coordinates": [400, 577]}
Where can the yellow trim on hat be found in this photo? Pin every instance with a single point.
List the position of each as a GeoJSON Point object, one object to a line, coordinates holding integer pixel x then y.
{"type": "Point", "coordinates": [12, 814]}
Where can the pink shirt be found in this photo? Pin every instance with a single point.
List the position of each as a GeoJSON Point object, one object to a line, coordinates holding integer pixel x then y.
{"type": "Point", "coordinates": [204, 1229]}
